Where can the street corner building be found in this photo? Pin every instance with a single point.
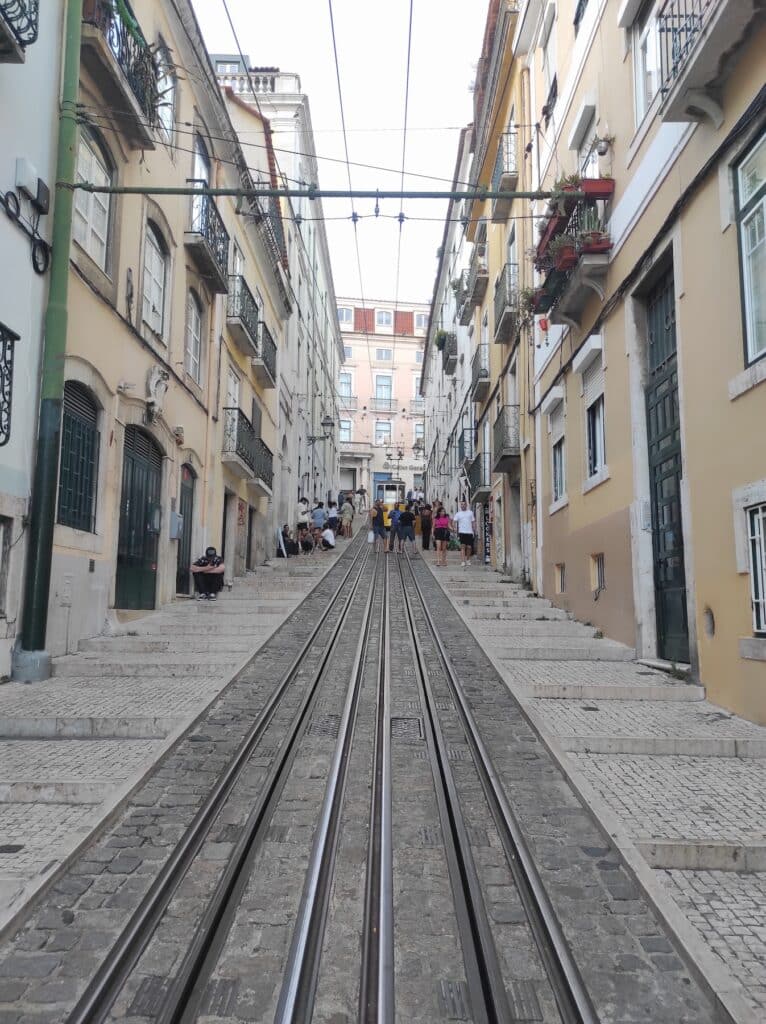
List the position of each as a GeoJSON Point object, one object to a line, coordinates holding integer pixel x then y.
{"type": "Point", "coordinates": [186, 346]}
{"type": "Point", "coordinates": [596, 355]}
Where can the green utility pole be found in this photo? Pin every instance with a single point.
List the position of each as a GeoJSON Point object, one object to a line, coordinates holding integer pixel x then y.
{"type": "Point", "coordinates": [32, 662]}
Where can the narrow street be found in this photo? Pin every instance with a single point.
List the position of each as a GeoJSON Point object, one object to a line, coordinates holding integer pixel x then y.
{"type": "Point", "coordinates": [365, 823]}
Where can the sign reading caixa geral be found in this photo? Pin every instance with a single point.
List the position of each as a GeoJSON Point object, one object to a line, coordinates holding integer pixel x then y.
{"type": "Point", "coordinates": [417, 467]}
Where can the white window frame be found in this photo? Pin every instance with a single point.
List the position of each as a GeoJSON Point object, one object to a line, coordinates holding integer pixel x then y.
{"type": "Point", "coordinates": [92, 210]}
{"type": "Point", "coordinates": [645, 39]}
{"type": "Point", "coordinates": [154, 291]}
{"type": "Point", "coordinates": [421, 323]}
{"type": "Point", "coordinates": [382, 443]}
{"type": "Point", "coordinates": [350, 391]}
{"type": "Point", "coordinates": [595, 437]}
{"type": "Point", "coordinates": [751, 213]}
{"type": "Point", "coordinates": [348, 352]}
{"type": "Point", "coordinates": [756, 535]}
{"type": "Point", "coordinates": [193, 338]}
{"type": "Point", "coordinates": [419, 355]}
{"type": "Point", "coordinates": [342, 319]}
{"type": "Point", "coordinates": [384, 321]}
{"type": "Point", "coordinates": [167, 87]}
{"type": "Point", "coordinates": [381, 377]}
{"type": "Point", "coordinates": [345, 427]}
{"type": "Point", "coordinates": [587, 157]}
{"type": "Point", "coordinates": [384, 355]}
{"type": "Point", "coordinates": [419, 431]}
{"type": "Point", "coordinates": [559, 470]}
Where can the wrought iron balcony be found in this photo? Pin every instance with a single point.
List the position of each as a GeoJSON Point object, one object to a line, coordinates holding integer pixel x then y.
{"type": "Point", "coordinates": [480, 373]}
{"type": "Point", "coordinates": [242, 315]}
{"type": "Point", "coordinates": [383, 404]}
{"type": "Point", "coordinates": [480, 478]}
{"type": "Point", "coordinates": [265, 362]}
{"type": "Point", "coordinates": [449, 353]}
{"type": "Point", "coordinates": [507, 304]}
{"type": "Point", "coordinates": [245, 453]}
{"type": "Point", "coordinates": [7, 341]}
{"type": "Point", "coordinates": [506, 447]}
{"type": "Point", "coordinates": [208, 241]}
{"type": "Point", "coordinates": [417, 406]}
{"type": "Point", "coordinates": [464, 305]}
{"type": "Point", "coordinates": [465, 446]}
{"type": "Point", "coordinates": [348, 402]}
{"type": "Point", "coordinates": [699, 40]}
{"type": "Point", "coordinates": [478, 278]}
{"type": "Point", "coordinates": [121, 61]}
{"type": "Point", "coordinates": [505, 175]}
{"type": "Point", "coordinates": [19, 22]}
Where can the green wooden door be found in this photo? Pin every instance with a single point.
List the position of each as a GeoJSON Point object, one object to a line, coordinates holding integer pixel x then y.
{"type": "Point", "coordinates": [139, 521]}
{"type": "Point", "coordinates": [665, 469]}
{"type": "Point", "coordinates": [186, 508]}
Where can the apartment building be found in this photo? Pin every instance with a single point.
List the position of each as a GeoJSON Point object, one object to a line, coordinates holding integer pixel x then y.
{"type": "Point", "coordinates": [30, 69]}
{"type": "Point", "coordinates": [381, 410]}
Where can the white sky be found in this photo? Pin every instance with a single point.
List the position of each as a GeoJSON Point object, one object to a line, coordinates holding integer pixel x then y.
{"type": "Point", "coordinates": [295, 35]}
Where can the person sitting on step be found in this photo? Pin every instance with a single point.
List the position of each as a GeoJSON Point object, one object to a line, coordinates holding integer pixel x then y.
{"type": "Point", "coordinates": [208, 575]}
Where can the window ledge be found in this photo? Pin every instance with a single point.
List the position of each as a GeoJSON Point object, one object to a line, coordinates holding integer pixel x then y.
{"type": "Point", "coordinates": [753, 648]}
{"type": "Point", "coordinates": [596, 480]}
{"type": "Point", "coordinates": [557, 505]}
{"type": "Point", "coordinates": [748, 379]}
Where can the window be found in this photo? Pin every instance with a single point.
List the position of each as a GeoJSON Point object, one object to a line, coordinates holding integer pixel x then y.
{"type": "Point", "coordinates": [155, 279]}
{"type": "Point", "coordinates": [227, 69]}
{"type": "Point", "coordinates": [420, 431]}
{"type": "Point", "coordinates": [756, 521]}
{"type": "Point", "coordinates": [383, 432]}
{"type": "Point", "coordinates": [193, 360]}
{"type": "Point", "coordinates": [384, 355]}
{"type": "Point", "coordinates": [200, 174]}
{"type": "Point", "coordinates": [646, 59]}
{"type": "Point", "coordinates": [558, 443]}
{"type": "Point", "coordinates": [560, 577]}
{"type": "Point", "coordinates": [595, 414]}
{"type": "Point", "coordinates": [383, 387]}
{"type": "Point", "coordinates": [78, 466]}
{"type": "Point", "coordinates": [587, 157]}
{"type": "Point", "coordinates": [345, 385]}
{"type": "Point", "coordinates": [345, 316]}
{"type": "Point", "coordinates": [344, 433]}
{"type": "Point", "coordinates": [92, 210]}
{"type": "Point", "coordinates": [419, 356]}
{"type": "Point", "coordinates": [421, 321]}
{"type": "Point", "coordinates": [6, 529]}
{"type": "Point", "coordinates": [166, 93]}
{"type": "Point", "coordinates": [232, 389]}
{"type": "Point", "coordinates": [384, 318]}
{"type": "Point", "coordinates": [548, 46]}
{"type": "Point", "coordinates": [751, 215]}
{"type": "Point", "coordinates": [597, 574]}
{"type": "Point", "coordinates": [348, 352]}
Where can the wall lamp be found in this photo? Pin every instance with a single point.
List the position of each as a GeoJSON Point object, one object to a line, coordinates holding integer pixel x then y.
{"type": "Point", "coordinates": [327, 424]}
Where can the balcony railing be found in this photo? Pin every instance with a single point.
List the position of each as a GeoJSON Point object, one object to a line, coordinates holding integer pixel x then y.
{"type": "Point", "coordinates": [383, 404]}
{"type": "Point", "coordinates": [242, 315]}
{"type": "Point", "coordinates": [506, 448]}
{"type": "Point", "coordinates": [8, 339]}
{"type": "Point", "coordinates": [209, 241]}
{"type": "Point", "coordinates": [480, 373]}
{"type": "Point", "coordinates": [507, 303]}
{"type": "Point", "coordinates": [417, 406]}
{"type": "Point", "coordinates": [347, 402]}
{"type": "Point", "coordinates": [505, 175]}
{"type": "Point", "coordinates": [267, 354]}
{"type": "Point", "coordinates": [19, 22]}
{"type": "Point", "coordinates": [241, 440]}
{"type": "Point", "coordinates": [465, 445]}
{"type": "Point", "coordinates": [356, 447]}
{"type": "Point", "coordinates": [449, 353]}
{"type": "Point", "coordinates": [480, 477]}
{"type": "Point", "coordinates": [130, 51]}
{"type": "Point", "coordinates": [680, 23]}
{"type": "Point", "coordinates": [478, 277]}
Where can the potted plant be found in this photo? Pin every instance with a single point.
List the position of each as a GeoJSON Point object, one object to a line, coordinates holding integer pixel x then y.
{"type": "Point", "coordinates": [527, 304]}
{"type": "Point", "coordinates": [563, 249]}
{"type": "Point", "coordinates": [440, 340]}
{"type": "Point", "coordinates": [593, 238]}
{"type": "Point", "coordinates": [567, 183]}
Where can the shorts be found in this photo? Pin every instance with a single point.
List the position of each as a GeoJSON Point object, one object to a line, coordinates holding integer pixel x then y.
{"type": "Point", "coordinates": [466, 539]}
{"type": "Point", "coordinates": [441, 533]}
{"type": "Point", "coordinates": [406, 533]}
{"type": "Point", "coordinates": [379, 531]}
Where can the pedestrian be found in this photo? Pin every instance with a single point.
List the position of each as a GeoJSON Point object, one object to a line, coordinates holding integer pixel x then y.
{"type": "Point", "coordinates": [333, 520]}
{"type": "Point", "coordinates": [328, 538]}
{"type": "Point", "coordinates": [425, 526]}
{"type": "Point", "coordinates": [305, 540]}
{"type": "Point", "coordinates": [302, 513]}
{"type": "Point", "coordinates": [361, 494]}
{"type": "Point", "coordinates": [318, 516]}
{"type": "Point", "coordinates": [407, 528]}
{"type": "Point", "coordinates": [347, 518]}
{"type": "Point", "coordinates": [465, 526]}
{"type": "Point", "coordinates": [208, 575]}
{"type": "Point", "coordinates": [441, 534]}
{"type": "Point", "coordinates": [378, 526]}
{"type": "Point", "coordinates": [394, 536]}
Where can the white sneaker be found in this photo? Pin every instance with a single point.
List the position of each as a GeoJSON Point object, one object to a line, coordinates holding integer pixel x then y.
{"type": "Point", "coordinates": [462, 563]}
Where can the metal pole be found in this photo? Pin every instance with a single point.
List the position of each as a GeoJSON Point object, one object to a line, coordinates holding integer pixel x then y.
{"type": "Point", "coordinates": [310, 193]}
{"type": "Point", "coordinates": [32, 662]}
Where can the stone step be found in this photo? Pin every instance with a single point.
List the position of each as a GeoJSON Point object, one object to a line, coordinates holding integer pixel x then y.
{"type": "Point", "coordinates": [79, 728]}
{"type": "Point", "coordinates": [103, 646]}
{"type": "Point", "coordinates": [149, 665]}
{"type": "Point", "coordinates": [570, 649]}
{"type": "Point", "coordinates": [604, 691]}
{"type": "Point", "coordinates": [524, 613]}
{"type": "Point", "coordinates": [666, 746]}
{"type": "Point", "coordinates": [491, 593]}
{"type": "Point", "coordinates": [247, 627]}
{"type": "Point", "coordinates": [521, 627]}
{"type": "Point", "coordinates": [459, 599]}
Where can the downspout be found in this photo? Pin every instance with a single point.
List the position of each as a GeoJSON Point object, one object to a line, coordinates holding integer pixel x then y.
{"type": "Point", "coordinates": [31, 662]}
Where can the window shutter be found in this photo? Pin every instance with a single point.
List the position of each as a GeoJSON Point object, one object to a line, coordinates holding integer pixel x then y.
{"type": "Point", "coordinates": [77, 402]}
{"type": "Point", "coordinates": [557, 423]}
{"type": "Point", "coordinates": [593, 382]}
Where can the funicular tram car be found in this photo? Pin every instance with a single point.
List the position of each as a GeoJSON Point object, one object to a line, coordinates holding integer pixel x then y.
{"type": "Point", "coordinates": [391, 493]}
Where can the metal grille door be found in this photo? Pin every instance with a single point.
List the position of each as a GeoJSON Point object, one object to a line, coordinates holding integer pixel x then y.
{"type": "Point", "coordinates": [139, 521]}
{"type": "Point", "coordinates": [665, 468]}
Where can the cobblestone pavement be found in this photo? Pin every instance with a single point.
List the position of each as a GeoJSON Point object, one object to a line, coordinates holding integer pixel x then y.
{"type": "Point", "coordinates": [682, 781]}
{"type": "Point", "coordinates": [73, 748]}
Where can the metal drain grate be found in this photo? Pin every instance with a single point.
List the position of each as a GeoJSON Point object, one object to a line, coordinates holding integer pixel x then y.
{"type": "Point", "coordinates": [325, 725]}
{"type": "Point", "coordinates": [407, 728]}
{"type": "Point", "coordinates": [454, 1000]}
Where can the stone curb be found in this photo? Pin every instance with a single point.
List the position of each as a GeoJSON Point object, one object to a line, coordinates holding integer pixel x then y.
{"type": "Point", "coordinates": [727, 994]}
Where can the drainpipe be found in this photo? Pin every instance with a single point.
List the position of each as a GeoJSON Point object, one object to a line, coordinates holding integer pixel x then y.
{"type": "Point", "coordinates": [31, 662]}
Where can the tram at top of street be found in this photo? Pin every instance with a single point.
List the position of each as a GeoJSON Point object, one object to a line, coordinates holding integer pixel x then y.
{"type": "Point", "coordinates": [392, 494]}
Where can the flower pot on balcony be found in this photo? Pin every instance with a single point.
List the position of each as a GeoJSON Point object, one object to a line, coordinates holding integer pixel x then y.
{"type": "Point", "coordinates": [597, 188]}
{"type": "Point", "coordinates": [595, 242]}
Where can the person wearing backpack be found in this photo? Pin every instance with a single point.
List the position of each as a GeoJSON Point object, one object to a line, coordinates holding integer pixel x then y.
{"type": "Point", "coordinates": [394, 535]}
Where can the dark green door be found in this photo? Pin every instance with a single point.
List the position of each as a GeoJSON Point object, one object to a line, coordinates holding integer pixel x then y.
{"type": "Point", "coordinates": [139, 521]}
{"type": "Point", "coordinates": [665, 468]}
{"type": "Point", "coordinates": [186, 508]}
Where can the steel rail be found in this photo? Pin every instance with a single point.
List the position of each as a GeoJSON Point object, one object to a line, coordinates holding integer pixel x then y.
{"type": "Point", "coordinates": [296, 998]}
{"type": "Point", "coordinates": [376, 990]}
{"type": "Point", "coordinates": [182, 1001]}
{"type": "Point", "coordinates": [569, 990]}
{"type": "Point", "coordinates": [94, 1004]}
{"type": "Point", "coordinates": [489, 999]}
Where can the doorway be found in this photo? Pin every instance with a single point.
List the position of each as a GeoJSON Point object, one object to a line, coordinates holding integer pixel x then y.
{"type": "Point", "coordinates": [186, 508]}
{"type": "Point", "coordinates": [665, 470]}
{"type": "Point", "coordinates": [140, 518]}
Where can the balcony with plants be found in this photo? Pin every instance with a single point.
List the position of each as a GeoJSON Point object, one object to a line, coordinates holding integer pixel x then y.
{"type": "Point", "coordinates": [19, 25]}
{"type": "Point", "coordinates": [208, 242]}
{"type": "Point", "coordinates": [480, 477]}
{"type": "Point", "coordinates": [465, 307]}
{"type": "Point", "coordinates": [478, 277]}
{"type": "Point", "coordinates": [573, 250]}
{"type": "Point", "coordinates": [699, 41]}
{"type": "Point", "coordinates": [116, 53]}
{"type": "Point", "coordinates": [246, 454]}
{"type": "Point", "coordinates": [446, 343]}
{"type": "Point", "coordinates": [480, 373]}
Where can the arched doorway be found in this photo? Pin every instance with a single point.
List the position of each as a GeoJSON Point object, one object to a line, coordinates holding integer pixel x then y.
{"type": "Point", "coordinates": [186, 508]}
{"type": "Point", "coordinates": [140, 518]}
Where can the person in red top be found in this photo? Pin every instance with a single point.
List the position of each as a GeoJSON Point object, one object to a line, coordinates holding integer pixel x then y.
{"type": "Point", "coordinates": [441, 534]}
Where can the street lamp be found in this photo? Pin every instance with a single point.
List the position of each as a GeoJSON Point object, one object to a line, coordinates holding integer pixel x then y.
{"type": "Point", "coordinates": [327, 424]}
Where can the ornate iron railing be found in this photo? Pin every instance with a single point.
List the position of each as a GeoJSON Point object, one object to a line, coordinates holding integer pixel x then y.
{"type": "Point", "coordinates": [507, 290]}
{"type": "Point", "coordinates": [268, 350]}
{"type": "Point", "coordinates": [477, 270]}
{"type": "Point", "coordinates": [207, 221]}
{"type": "Point", "coordinates": [449, 353]}
{"type": "Point", "coordinates": [239, 438]}
{"type": "Point", "coordinates": [7, 341]}
{"type": "Point", "coordinates": [23, 18]}
{"type": "Point", "coordinates": [465, 445]}
{"type": "Point", "coordinates": [479, 474]}
{"type": "Point", "coordinates": [506, 161]}
{"type": "Point", "coordinates": [129, 48]}
{"type": "Point", "coordinates": [505, 432]}
{"type": "Point", "coordinates": [242, 304]}
{"type": "Point", "coordinates": [680, 23]}
{"type": "Point", "coordinates": [383, 404]}
{"type": "Point", "coordinates": [347, 401]}
{"type": "Point", "coordinates": [480, 364]}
